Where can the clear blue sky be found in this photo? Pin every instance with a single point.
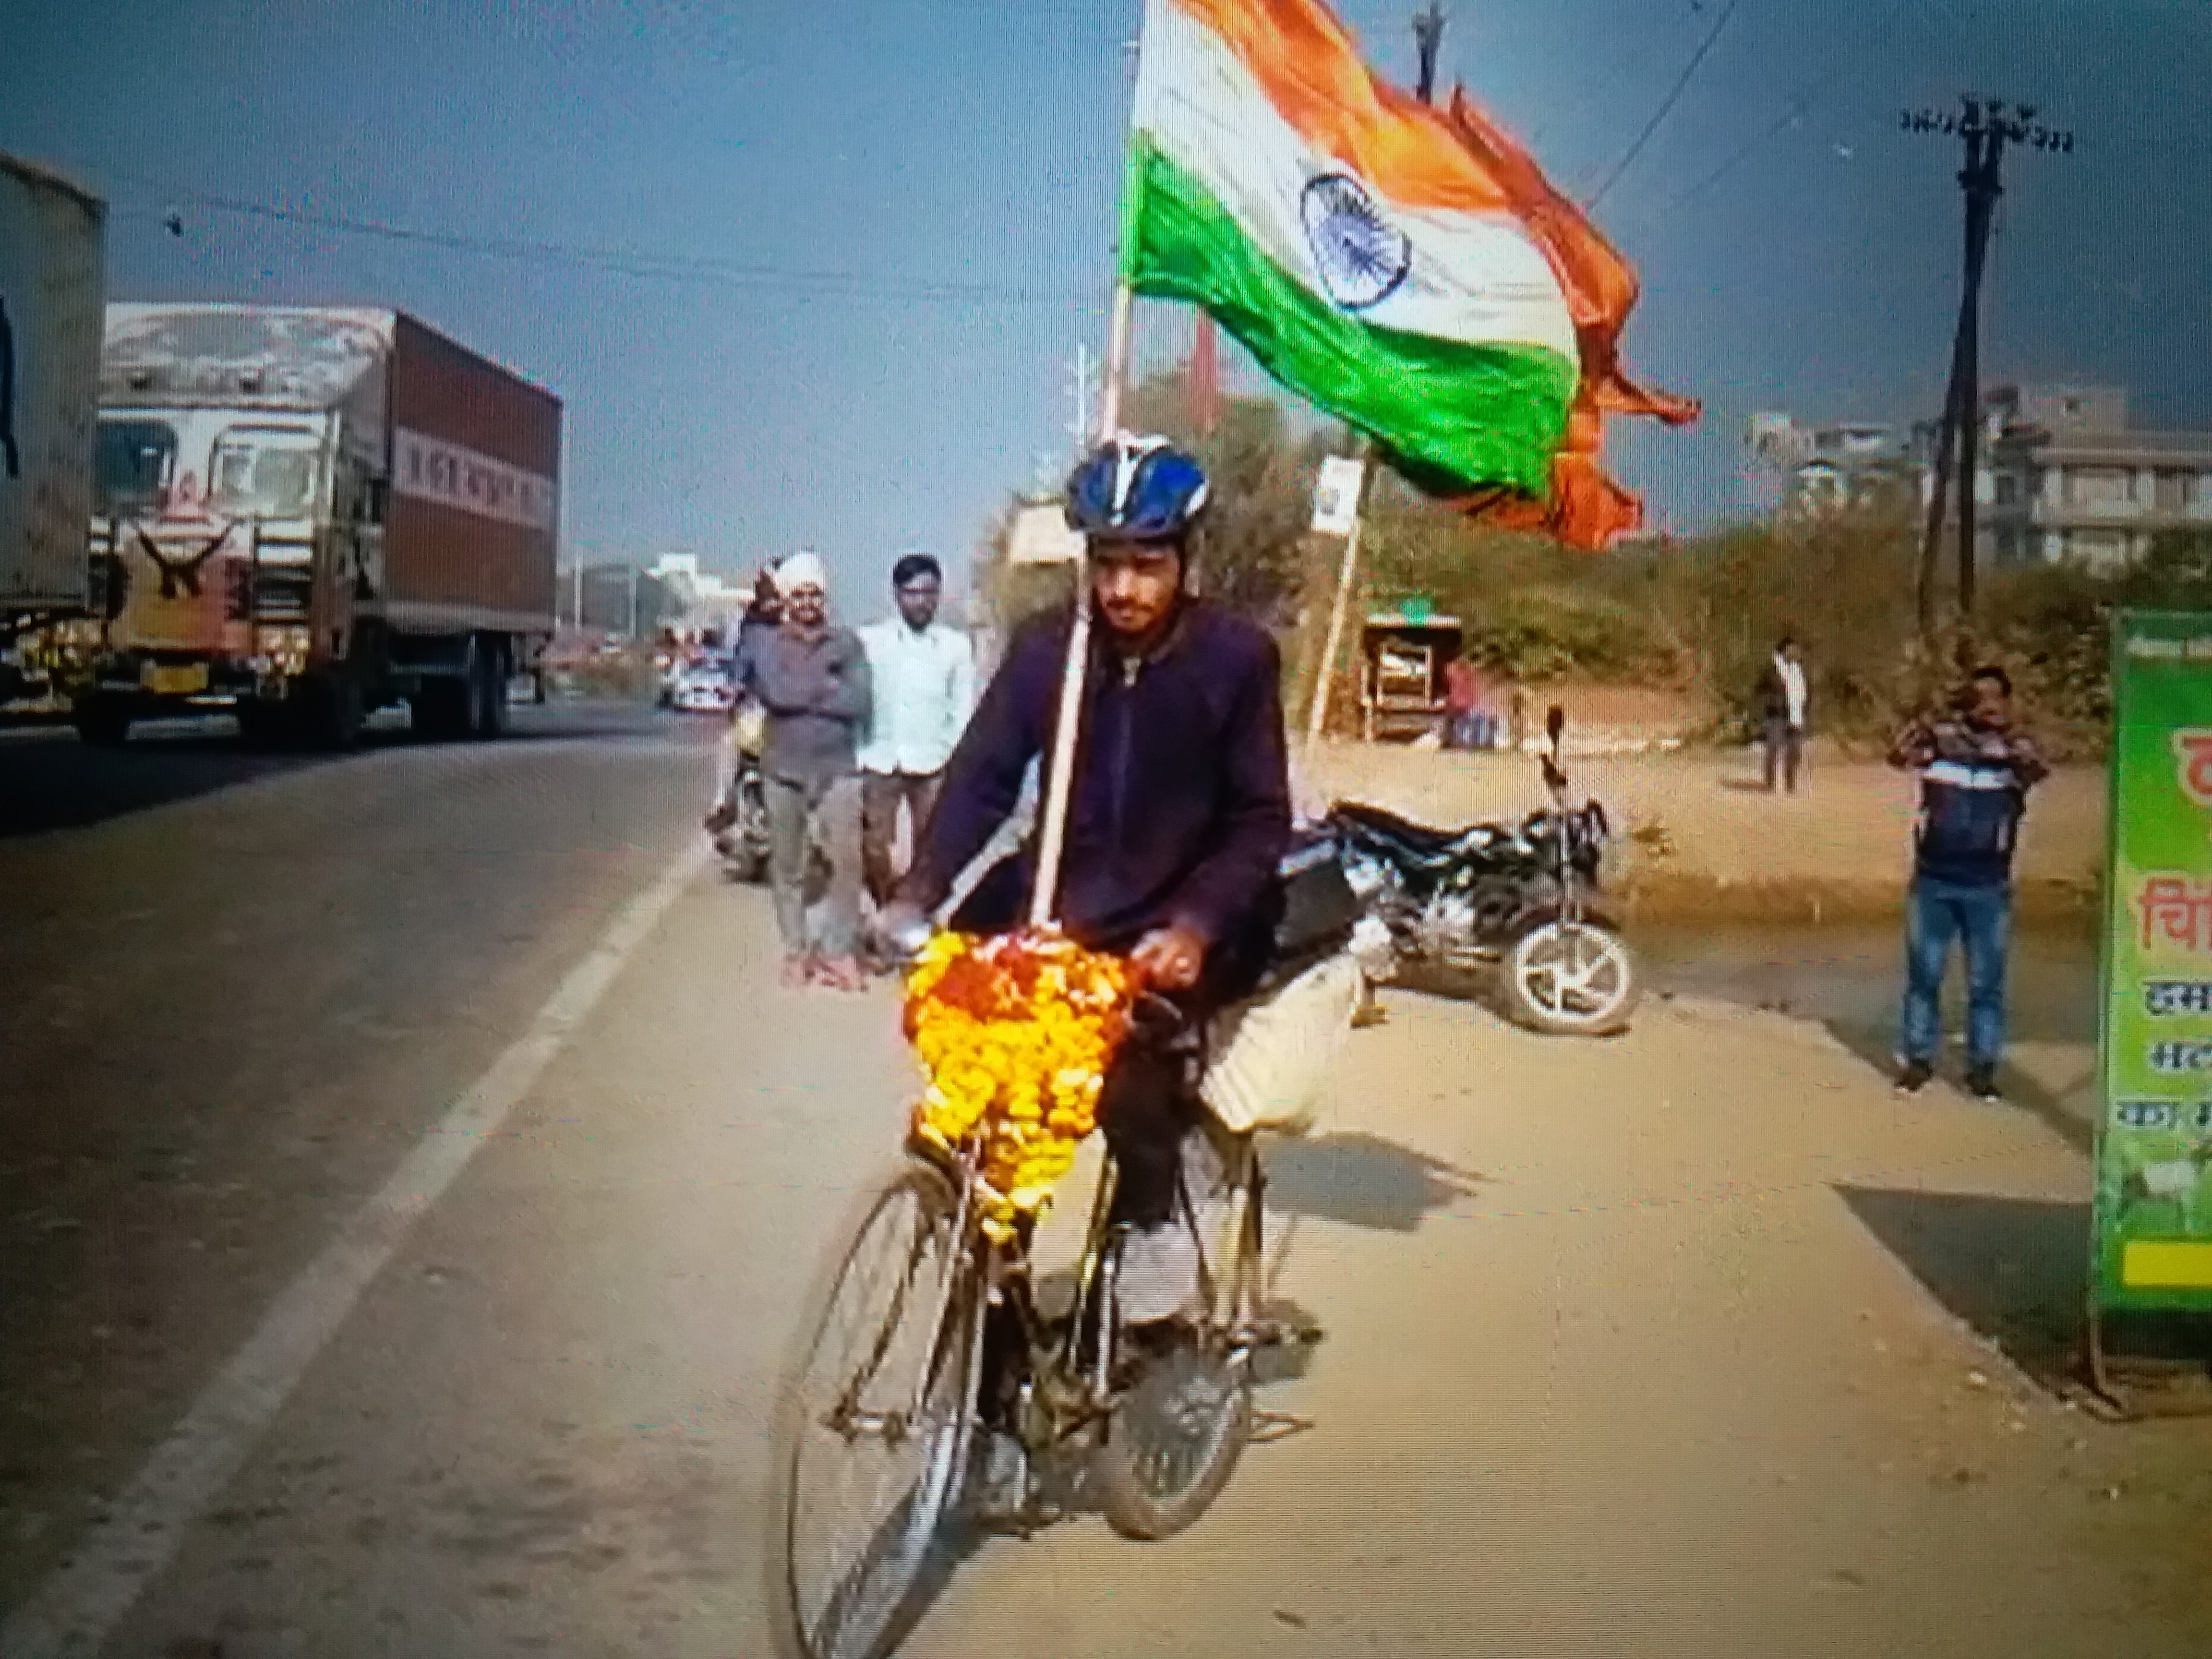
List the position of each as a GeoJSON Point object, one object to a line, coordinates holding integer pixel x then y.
{"type": "Point", "coordinates": [926, 191]}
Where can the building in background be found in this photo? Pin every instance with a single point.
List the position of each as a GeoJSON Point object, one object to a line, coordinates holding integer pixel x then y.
{"type": "Point", "coordinates": [2067, 479]}
{"type": "Point", "coordinates": [705, 597]}
{"type": "Point", "coordinates": [1851, 466]}
{"type": "Point", "coordinates": [2061, 475]}
{"type": "Point", "coordinates": [614, 601]}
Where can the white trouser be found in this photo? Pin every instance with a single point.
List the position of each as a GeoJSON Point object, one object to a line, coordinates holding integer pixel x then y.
{"type": "Point", "coordinates": [1158, 1278]}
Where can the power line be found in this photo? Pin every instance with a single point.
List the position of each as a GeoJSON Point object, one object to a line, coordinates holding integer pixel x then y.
{"type": "Point", "coordinates": [1788, 117]}
{"type": "Point", "coordinates": [1800, 107]}
{"type": "Point", "coordinates": [667, 267]}
{"type": "Point", "coordinates": [1665, 105]}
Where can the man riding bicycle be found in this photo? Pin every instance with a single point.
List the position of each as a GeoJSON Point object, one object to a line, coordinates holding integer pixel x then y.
{"type": "Point", "coordinates": [1179, 811]}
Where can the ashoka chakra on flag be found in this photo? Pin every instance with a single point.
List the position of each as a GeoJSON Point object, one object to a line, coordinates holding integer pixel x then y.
{"type": "Point", "coordinates": [1361, 255]}
{"type": "Point", "coordinates": [1356, 250]}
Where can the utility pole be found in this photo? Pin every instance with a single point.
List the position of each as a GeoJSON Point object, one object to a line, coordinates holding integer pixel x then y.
{"type": "Point", "coordinates": [1081, 428]}
{"type": "Point", "coordinates": [1428, 40]}
{"type": "Point", "coordinates": [1985, 126]}
{"type": "Point", "coordinates": [1203, 383]}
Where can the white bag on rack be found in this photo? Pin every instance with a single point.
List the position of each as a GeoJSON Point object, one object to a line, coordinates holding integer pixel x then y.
{"type": "Point", "coordinates": [1271, 1057]}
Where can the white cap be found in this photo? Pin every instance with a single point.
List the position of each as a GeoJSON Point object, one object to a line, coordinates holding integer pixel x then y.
{"type": "Point", "coordinates": [801, 570]}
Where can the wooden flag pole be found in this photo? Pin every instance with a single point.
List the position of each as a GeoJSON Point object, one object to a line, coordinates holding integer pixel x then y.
{"type": "Point", "coordinates": [1428, 37]}
{"type": "Point", "coordinates": [1325, 677]}
{"type": "Point", "coordinates": [1044, 896]}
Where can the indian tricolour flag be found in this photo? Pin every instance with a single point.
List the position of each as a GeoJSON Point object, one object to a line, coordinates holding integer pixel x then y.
{"type": "Point", "coordinates": [1370, 257]}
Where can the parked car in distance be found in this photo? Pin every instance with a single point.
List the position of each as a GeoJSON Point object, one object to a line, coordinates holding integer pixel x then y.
{"type": "Point", "coordinates": [705, 687]}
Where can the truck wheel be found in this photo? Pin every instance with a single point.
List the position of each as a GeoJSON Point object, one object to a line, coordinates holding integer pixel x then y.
{"type": "Point", "coordinates": [487, 684]}
{"type": "Point", "coordinates": [102, 722]}
{"type": "Point", "coordinates": [265, 725]}
{"type": "Point", "coordinates": [440, 708]}
{"type": "Point", "coordinates": [335, 713]}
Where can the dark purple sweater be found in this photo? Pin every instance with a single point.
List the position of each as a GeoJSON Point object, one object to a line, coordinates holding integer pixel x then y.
{"type": "Point", "coordinates": [1182, 801]}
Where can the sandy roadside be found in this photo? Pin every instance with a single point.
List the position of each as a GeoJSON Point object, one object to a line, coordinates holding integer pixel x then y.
{"type": "Point", "coordinates": [1694, 1343]}
{"type": "Point", "coordinates": [1701, 840]}
{"type": "Point", "coordinates": [1698, 1342]}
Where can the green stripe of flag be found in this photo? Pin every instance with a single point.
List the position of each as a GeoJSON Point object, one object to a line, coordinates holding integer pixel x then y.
{"type": "Point", "coordinates": [1469, 413]}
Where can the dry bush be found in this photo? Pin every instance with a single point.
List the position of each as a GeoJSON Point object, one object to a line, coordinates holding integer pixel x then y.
{"type": "Point", "coordinates": [1700, 615]}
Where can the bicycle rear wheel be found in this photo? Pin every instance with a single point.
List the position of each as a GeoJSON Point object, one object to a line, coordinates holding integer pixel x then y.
{"type": "Point", "coordinates": [884, 1405]}
{"type": "Point", "coordinates": [1176, 1435]}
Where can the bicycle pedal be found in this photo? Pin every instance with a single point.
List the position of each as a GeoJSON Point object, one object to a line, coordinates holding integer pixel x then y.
{"type": "Point", "coordinates": [1267, 1427]}
{"type": "Point", "coordinates": [1280, 1333]}
{"type": "Point", "coordinates": [1036, 1518]}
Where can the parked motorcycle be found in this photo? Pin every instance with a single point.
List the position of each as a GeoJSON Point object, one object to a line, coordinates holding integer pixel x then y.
{"type": "Point", "coordinates": [1509, 897]}
{"type": "Point", "coordinates": [739, 820]}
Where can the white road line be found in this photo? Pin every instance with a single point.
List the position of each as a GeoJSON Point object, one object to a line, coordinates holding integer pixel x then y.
{"type": "Point", "coordinates": [75, 1610]}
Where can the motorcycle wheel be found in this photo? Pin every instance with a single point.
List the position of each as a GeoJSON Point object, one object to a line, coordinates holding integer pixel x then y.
{"type": "Point", "coordinates": [745, 845]}
{"type": "Point", "coordinates": [1572, 979]}
{"type": "Point", "coordinates": [746, 862]}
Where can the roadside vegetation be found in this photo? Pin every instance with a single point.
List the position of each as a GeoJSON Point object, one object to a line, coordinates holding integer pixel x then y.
{"type": "Point", "coordinates": [1698, 616]}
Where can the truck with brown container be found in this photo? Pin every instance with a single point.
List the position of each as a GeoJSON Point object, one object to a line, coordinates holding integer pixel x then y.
{"type": "Point", "coordinates": [53, 238]}
{"type": "Point", "coordinates": [302, 514]}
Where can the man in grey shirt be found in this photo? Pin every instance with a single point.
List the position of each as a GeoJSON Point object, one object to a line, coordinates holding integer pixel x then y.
{"type": "Point", "coordinates": [812, 680]}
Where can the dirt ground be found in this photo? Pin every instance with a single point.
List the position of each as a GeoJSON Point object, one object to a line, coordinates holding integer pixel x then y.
{"type": "Point", "coordinates": [1700, 839]}
{"type": "Point", "coordinates": [1697, 1343]}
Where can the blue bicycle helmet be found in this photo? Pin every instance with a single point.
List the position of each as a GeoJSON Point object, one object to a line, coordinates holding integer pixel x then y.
{"type": "Point", "coordinates": [1136, 490]}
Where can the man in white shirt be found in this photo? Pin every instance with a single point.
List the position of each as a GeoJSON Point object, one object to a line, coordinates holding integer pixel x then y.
{"type": "Point", "coordinates": [924, 675]}
{"type": "Point", "coordinates": [1782, 696]}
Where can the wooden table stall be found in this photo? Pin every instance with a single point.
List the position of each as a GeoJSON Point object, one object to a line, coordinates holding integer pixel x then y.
{"type": "Point", "coordinates": [1402, 655]}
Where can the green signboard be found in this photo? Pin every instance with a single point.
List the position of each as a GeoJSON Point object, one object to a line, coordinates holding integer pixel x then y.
{"type": "Point", "coordinates": [2154, 1207]}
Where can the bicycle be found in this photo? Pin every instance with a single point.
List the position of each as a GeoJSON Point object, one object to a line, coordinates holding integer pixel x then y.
{"type": "Point", "coordinates": [932, 1332]}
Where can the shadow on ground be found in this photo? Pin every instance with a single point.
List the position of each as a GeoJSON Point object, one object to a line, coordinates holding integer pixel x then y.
{"type": "Point", "coordinates": [1061, 1486]}
{"type": "Point", "coordinates": [1362, 1181]}
{"type": "Point", "coordinates": [1876, 1046]}
{"type": "Point", "coordinates": [50, 781]}
{"type": "Point", "coordinates": [2014, 1269]}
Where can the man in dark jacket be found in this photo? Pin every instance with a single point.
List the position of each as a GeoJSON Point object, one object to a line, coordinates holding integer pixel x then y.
{"type": "Point", "coordinates": [1782, 699]}
{"type": "Point", "coordinates": [1180, 809]}
{"type": "Point", "coordinates": [1975, 770]}
{"type": "Point", "coordinates": [765, 612]}
{"type": "Point", "coordinates": [763, 615]}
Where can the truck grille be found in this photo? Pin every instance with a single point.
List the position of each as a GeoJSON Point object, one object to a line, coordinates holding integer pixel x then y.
{"type": "Point", "coordinates": [267, 595]}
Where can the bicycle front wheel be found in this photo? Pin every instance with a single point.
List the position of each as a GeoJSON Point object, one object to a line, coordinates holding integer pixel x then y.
{"type": "Point", "coordinates": [883, 1403]}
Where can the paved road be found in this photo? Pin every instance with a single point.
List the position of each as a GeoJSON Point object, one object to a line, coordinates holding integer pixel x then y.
{"type": "Point", "coordinates": [1696, 1342]}
{"type": "Point", "coordinates": [232, 996]}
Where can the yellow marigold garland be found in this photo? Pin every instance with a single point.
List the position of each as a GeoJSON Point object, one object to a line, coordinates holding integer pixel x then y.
{"type": "Point", "coordinates": [1015, 1032]}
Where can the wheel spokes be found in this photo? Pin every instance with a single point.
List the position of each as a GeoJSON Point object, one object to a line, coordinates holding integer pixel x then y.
{"type": "Point", "coordinates": [878, 1416]}
{"type": "Point", "coordinates": [1574, 973]}
{"type": "Point", "coordinates": [1177, 1416]}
